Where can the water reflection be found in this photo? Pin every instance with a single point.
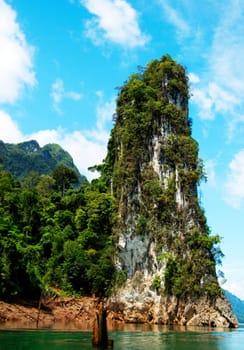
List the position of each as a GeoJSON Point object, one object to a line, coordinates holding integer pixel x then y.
{"type": "Point", "coordinates": [127, 337]}
{"type": "Point", "coordinates": [152, 337]}
{"type": "Point", "coordinates": [170, 340]}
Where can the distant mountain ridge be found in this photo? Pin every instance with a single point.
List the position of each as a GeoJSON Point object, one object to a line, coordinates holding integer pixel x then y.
{"type": "Point", "coordinates": [237, 305]}
{"type": "Point", "coordinates": [23, 158]}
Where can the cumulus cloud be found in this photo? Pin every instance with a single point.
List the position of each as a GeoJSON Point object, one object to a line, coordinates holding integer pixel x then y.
{"type": "Point", "coordinates": [234, 278]}
{"type": "Point", "coordinates": [203, 100]}
{"type": "Point", "coordinates": [228, 47]}
{"type": "Point", "coordinates": [58, 93]}
{"type": "Point", "coordinates": [104, 112]}
{"type": "Point", "coordinates": [221, 88]}
{"type": "Point", "coordinates": [212, 99]}
{"type": "Point", "coordinates": [234, 187]}
{"type": "Point", "coordinates": [115, 21]}
{"type": "Point", "coordinates": [9, 131]}
{"type": "Point", "coordinates": [87, 147]}
{"type": "Point", "coordinates": [84, 151]}
{"type": "Point", "coordinates": [16, 57]}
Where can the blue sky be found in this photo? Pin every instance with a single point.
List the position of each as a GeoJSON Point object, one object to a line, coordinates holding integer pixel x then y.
{"type": "Point", "coordinates": [60, 64]}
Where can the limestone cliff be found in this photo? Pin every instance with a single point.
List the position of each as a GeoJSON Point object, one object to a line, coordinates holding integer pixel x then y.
{"type": "Point", "coordinates": [165, 256]}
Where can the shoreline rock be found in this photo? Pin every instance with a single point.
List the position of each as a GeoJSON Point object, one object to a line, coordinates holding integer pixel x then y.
{"type": "Point", "coordinates": [79, 313]}
{"type": "Point", "coordinates": [173, 311]}
{"type": "Point", "coordinates": [61, 313]}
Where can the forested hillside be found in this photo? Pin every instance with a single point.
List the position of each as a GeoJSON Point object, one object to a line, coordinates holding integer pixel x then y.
{"type": "Point", "coordinates": [237, 305]}
{"type": "Point", "coordinates": [23, 158]}
{"type": "Point", "coordinates": [53, 234]}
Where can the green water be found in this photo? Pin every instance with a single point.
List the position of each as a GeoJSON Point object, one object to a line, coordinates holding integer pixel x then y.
{"type": "Point", "coordinates": [163, 339]}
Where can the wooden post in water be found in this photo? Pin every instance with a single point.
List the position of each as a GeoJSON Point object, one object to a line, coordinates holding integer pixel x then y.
{"type": "Point", "coordinates": [100, 332]}
{"type": "Point", "coordinates": [39, 309]}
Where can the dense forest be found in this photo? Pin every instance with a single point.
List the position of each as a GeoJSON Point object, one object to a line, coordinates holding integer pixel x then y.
{"type": "Point", "coordinates": [56, 237]}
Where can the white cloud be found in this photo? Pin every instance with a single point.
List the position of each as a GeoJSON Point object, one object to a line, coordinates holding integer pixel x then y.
{"type": "Point", "coordinates": [201, 98]}
{"type": "Point", "coordinates": [176, 19]}
{"type": "Point", "coordinates": [228, 48]}
{"type": "Point", "coordinates": [223, 100]}
{"type": "Point", "coordinates": [75, 96]}
{"type": "Point", "coordinates": [213, 99]}
{"type": "Point", "coordinates": [58, 93]}
{"type": "Point", "coordinates": [236, 287]}
{"type": "Point", "coordinates": [16, 66]}
{"type": "Point", "coordinates": [221, 88]}
{"type": "Point", "coordinates": [9, 131]}
{"type": "Point", "coordinates": [87, 147]}
{"type": "Point", "coordinates": [211, 174]}
{"type": "Point", "coordinates": [105, 111]}
{"type": "Point", "coordinates": [85, 152]}
{"type": "Point", "coordinates": [115, 21]}
{"type": "Point", "coordinates": [233, 131]}
{"type": "Point", "coordinates": [234, 278]}
{"type": "Point", "coordinates": [234, 187]}
{"type": "Point", "coordinates": [193, 78]}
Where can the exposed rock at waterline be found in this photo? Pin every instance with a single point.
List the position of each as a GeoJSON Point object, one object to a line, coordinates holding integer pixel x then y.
{"type": "Point", "coordinates": [170, 310]}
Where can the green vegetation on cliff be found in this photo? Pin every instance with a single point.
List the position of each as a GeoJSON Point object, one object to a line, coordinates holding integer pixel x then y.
{"type": "Point", "coordinates": [154, 170]}
{"type": "Point", "coordinates": [54, 236]}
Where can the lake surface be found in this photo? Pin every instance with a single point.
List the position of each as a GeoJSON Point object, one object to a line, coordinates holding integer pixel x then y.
{"type": "Point", "coordinates": [133, 338]}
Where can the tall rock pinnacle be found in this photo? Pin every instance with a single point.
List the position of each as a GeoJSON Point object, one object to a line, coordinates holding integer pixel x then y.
{"type": "Point", "coordinates": [165, 255]}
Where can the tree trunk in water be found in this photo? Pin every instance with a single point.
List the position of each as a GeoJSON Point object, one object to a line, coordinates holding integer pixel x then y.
{"type": "Point", "coordinates": [100, 332]}
{"type": "Point", "coordinates": [39, 310]}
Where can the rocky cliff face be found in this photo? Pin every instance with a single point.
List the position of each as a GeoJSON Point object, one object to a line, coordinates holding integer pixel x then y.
{"type": "Point", "coordinates": [165, 255]}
